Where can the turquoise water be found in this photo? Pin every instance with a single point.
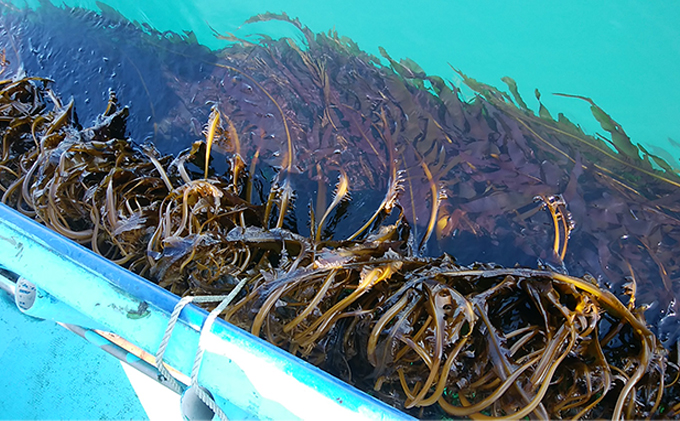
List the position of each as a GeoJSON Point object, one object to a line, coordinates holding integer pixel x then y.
{"type": "Point", "coordinates": [624, 55]}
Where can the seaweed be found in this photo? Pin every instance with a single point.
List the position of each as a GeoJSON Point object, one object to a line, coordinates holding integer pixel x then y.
{"type": "Point", "coordinates": [355, 281]}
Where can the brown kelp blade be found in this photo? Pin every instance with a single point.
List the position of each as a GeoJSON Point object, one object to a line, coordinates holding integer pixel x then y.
{"type": "Point", "coordinates": [213, 124]}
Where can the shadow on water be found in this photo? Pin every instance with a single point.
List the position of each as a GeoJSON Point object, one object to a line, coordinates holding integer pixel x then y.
{"type": "Point", "coordinates": [88, 55]}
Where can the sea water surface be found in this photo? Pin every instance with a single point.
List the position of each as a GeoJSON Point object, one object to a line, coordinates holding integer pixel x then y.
{"type": "Point", "coordinates": [625, 58]}
{"type": "Point", "coordinates": [625, 55]}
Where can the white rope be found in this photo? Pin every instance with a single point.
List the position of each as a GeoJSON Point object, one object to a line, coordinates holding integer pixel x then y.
{"type": "Point", "coordinates": [201, 350]}
{"type": "Point", "coordinates": [174, 384]}
{"type": "Point", "coordinates": [168, 334]}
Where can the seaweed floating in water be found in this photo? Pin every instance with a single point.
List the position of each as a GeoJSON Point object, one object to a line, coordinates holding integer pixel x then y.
{"type": "Point", "coordinates": [358, 296]}
{"type": "Point", "coordinates": [466, 174]}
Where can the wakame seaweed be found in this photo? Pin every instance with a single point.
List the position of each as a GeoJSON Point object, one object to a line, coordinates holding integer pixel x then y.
{"type": "Point", "coordinates": [374, 279]}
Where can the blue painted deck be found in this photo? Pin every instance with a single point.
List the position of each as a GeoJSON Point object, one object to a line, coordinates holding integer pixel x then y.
{"type": "Point", "coordinates": [51, 373]}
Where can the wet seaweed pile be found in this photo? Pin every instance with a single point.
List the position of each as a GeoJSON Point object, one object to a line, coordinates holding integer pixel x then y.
{"type": "Point", "coordinates": [345, 278]}
{"type": "Point", "coordinates": [482, 180]}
